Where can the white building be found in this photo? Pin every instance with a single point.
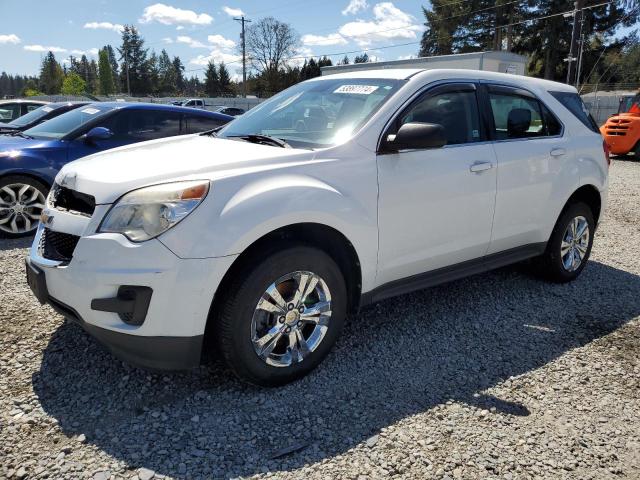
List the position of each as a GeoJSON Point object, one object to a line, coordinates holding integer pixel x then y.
{"type": "Point", "coordinates": [493, 61]}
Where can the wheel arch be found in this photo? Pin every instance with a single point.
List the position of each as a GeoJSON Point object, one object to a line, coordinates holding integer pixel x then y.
{"type": "Point", "coordinates": [590, 195]}
{"type": "Point", "coordinates": [317, 235]}
{"type": "Point", "coordinates": [28, 174]}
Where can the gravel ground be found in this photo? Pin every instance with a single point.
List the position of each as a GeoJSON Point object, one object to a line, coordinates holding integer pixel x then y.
{"type": "Point", "coordinates": [496, 376]}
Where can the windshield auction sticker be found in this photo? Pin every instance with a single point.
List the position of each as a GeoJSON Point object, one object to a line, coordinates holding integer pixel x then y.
{"type": "Point", "coordinates": [90, 111]}
{"type": "Point", "coordinates": [356, 89]}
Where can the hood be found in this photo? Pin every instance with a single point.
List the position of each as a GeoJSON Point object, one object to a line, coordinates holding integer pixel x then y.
{"type": "Point", "coordinates": [109, 175]}
{"type": "Point", "coordinates": [8, 143]}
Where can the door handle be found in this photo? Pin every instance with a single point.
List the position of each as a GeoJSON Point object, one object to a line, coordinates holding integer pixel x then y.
{"type": "Point", "coordinates": [557, 152]}
{"type": "Point", "coordinates": [480, 167]}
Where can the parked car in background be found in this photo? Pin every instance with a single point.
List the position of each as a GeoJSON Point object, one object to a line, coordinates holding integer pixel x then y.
{"type": "Point", "coordinates": [257, 240]}
{"type": "Point", "coordinates": [39, 115]}
{"type": "Point", "coordinates": [12, 109]}
{"type": "Point", "coordinates": [233, 111]}
{"type": "Point", "coordinates": [30, 160]}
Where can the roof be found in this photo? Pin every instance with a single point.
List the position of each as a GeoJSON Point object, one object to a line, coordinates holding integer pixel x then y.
{"type": "Point", "coordinates": [449, 73]}
{"type": "Point", "coordinates": [392, 73]}
{"type": "Point", "coordinates": [22, 100]}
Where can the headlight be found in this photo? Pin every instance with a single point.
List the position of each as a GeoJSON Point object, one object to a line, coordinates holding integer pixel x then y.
{"type": "Point", "coordinates": [146, 213]}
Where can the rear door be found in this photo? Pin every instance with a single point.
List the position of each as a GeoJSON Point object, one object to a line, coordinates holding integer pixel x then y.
{"type": "Point", "coordinates": [532, 152]}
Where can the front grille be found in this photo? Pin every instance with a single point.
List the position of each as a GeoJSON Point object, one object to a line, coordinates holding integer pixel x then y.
{"type": "Point", "coordinates": [64, 198]}
{"type": "Point", "coordinates": [57, 246]}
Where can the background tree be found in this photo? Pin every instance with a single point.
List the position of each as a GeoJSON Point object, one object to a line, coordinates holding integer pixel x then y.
{"type": "Point", "coordinates": [105, 73]}
{"type": "Point", "coordinates": [113, 61]}
{"type": "Point", "coordinates": [30, 89]}
{"type": "Point", "coordinates": [224, 78]}
{"type": "Point", "coordinates": [178, 68]}
{"type": "Point", "coordinates": [73, 84]}
{"type": "Point", "coordinates": [270, 44]}
{"type": "Point", "coordinates": [51, 75]}
{"type": "Point", "coordinates": [134, 55]}
{"type": "Point", "coordinates": [167, 74]}
{"type": "Point", "coordinates": [363, 58]}
{"type": "Point", "coordinates": [211, 80]}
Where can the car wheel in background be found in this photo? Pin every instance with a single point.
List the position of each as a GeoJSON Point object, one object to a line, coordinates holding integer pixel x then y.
{"type": "Point", "coordinates": [21, 202]}
{"type": "Point", "coordinates": [570, 245]}
{"type": "Point", "coordinates": [282, 316]}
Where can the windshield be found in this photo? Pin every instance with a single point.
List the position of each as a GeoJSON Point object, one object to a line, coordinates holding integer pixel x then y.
{"type": "Point", "coordinates": [315, 114]}
{"type": "Point", "coordinates": [66, 123]}
{"type": "Point", "coordinates": [32, 116]}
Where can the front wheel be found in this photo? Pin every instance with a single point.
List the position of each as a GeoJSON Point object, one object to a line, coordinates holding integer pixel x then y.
{"type": "Point", "coordinates": [280, 319]}
{"type": "Point", "coordinates": [21, 202]}
{"type": "Point", "coordinates": [570, 245]}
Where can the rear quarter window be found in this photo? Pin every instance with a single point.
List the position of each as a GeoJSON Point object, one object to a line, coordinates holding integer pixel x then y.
{"type": "Point", "coordinates": [573, 103]}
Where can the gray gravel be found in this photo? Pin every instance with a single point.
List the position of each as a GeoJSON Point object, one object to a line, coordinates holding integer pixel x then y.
{"type": "Point", "coordinates": [496, 376]}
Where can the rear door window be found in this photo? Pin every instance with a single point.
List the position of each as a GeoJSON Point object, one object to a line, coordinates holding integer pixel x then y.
{"type": "Point", "coordinates": [197, 124]}
{"type": "Point", "coordinates": [142, 125]}
{"type": "Point", "coordinates": [519, 116]}
{"type": "Point", "coordinates": [576, 106]}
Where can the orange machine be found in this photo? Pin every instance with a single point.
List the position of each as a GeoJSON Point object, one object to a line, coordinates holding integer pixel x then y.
{"type": "Point", "coordinates": [622, 130]}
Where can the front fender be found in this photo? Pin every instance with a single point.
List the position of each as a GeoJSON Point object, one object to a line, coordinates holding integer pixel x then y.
{"type": "Point", "coordinates": [30, 165]}
{"type": "Point", "coordinates": [229, 220]}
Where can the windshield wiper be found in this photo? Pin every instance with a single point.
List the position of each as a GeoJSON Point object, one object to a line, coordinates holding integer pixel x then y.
{"type": "Point", "coordinates": [265, 139]}
{"type": "Point", "coordinates": [213, 131]}
{"type": "Point", "coordinates": [20, 134]}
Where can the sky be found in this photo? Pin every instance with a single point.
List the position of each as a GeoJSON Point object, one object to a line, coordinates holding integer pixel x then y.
{"type": "Point", "coordinates": [198, 30]}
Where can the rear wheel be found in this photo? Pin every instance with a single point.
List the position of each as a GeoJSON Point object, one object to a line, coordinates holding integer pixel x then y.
{"type": "Point", "coordinates": [570, 245]}
{"type": "Point", "coordinates": [281, 317]}
{"type": "Point", "coordinates": [22, 200]}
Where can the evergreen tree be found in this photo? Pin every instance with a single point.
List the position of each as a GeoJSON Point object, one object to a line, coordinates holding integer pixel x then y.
{"type": "Point", "coordinates": [224, 78]}
{"type": "Point", "coordinates": [178, 68]}
{"type": "Point", "coordinates": [134, 59]}
{"type": "Point", "coordinates": [105, 73]}
{"type": "Point", "coordinates": [152, 80]}
{"type": "Point", "coordinates": [51, 75]}
{"type": "Point", "coordinates": [113, 61]}
{"type": "Point", "coordinates": [364, 58]}
{"type": "Point", "coordinates": [167, 74]}
{"type": "Point", "coordinates": [212, 80]}
{"type": "Point", "coordinates": [344, 61]}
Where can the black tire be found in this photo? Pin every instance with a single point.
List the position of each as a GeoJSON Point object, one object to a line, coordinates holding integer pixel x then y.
{"type": "Point", "coordinates": [233, 316]}
{"type": "Point", "coordinates": [550, 264]}
{"type": "Point", "coordinates": [636, 152]}
{"type": "Point", "coordinates": [9, 181]}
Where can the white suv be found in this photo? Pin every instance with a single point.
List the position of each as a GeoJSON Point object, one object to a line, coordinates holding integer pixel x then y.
{"type": "Point", "coordinates": [257, 240]}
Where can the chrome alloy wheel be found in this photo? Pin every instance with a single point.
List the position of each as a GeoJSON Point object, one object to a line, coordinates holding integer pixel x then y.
{"type": "Point", "coordinates": [575, 243]}
{"type": "Point", "coordinates": [291, 318]}
{"type": "Point", "coordinates": [20, 208]}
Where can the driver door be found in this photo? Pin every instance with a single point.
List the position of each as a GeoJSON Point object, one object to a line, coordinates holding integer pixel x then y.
{"type": "Point", "coordinates": [435, 206]}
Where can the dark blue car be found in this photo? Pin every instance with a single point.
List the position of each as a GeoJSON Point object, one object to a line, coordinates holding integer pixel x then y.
{"type": "Point", "coordinates": [30, 160]}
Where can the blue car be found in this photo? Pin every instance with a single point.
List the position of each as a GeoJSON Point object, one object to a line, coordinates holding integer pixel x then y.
{"type": "Point", "coordinates": [30, 160]}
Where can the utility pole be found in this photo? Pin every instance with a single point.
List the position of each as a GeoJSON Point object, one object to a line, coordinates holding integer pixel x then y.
{"type": "Point", "coordinates": [573, 49]}
{"type": "Point", "coordinates": [243, 20]}
{"type": "Point", "coordinates": [581, 50]}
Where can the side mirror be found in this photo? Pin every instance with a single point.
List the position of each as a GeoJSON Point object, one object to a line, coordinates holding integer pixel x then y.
{"type": "Point", "coordinates": [98, 133]}
{"type": "Point", "coordinates": [417, 135]}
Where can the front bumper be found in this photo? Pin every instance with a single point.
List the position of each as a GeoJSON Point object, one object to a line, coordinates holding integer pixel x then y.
{"type": "Point", "coordinates": [170, 337]}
